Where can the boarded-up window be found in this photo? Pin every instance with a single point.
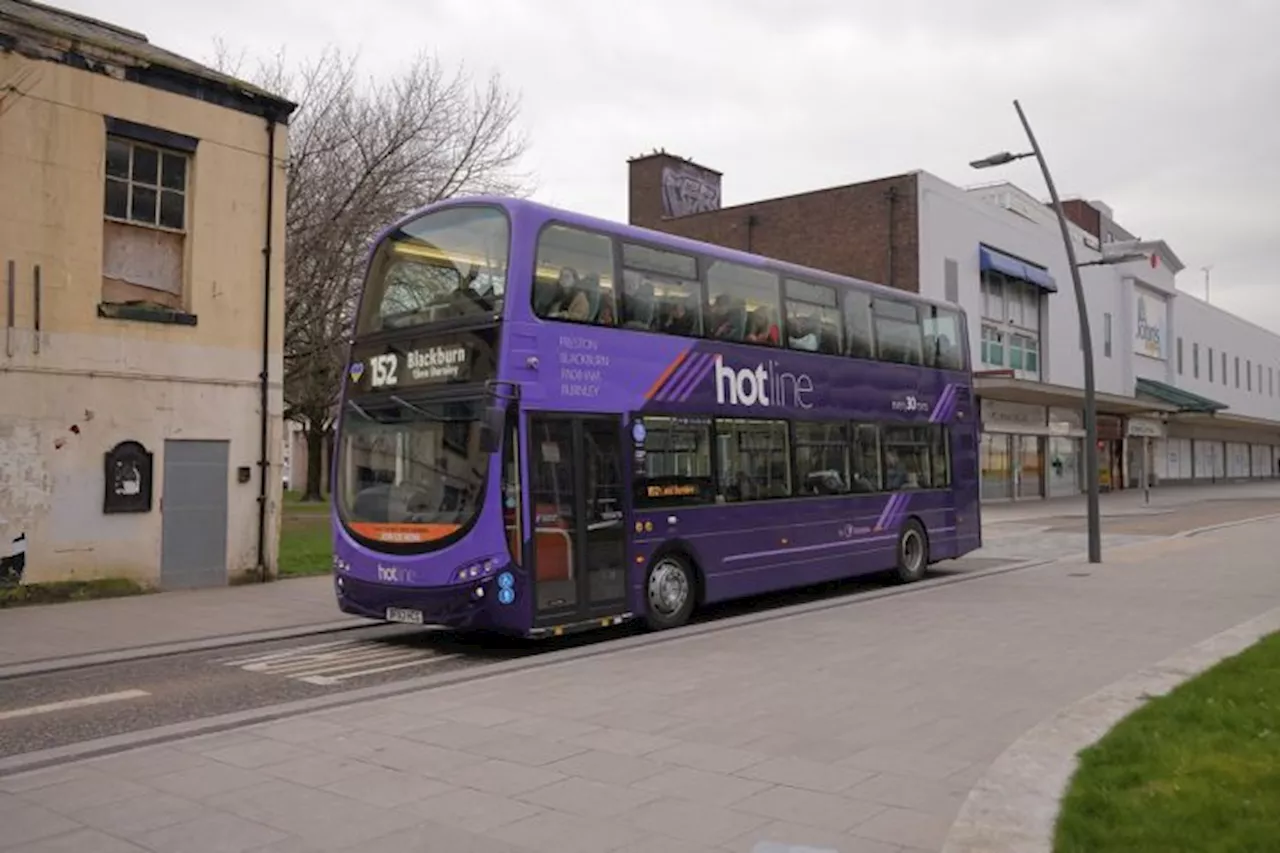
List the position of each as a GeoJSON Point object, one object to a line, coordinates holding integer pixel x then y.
{"type": "Point", "coordinates": [145, 208]}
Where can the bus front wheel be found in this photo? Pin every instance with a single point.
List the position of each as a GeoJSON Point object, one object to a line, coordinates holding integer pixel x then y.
{"type": "Point", "coordinates": [669, 592]}
{"type": "Point", "coordinates": [913, 552]}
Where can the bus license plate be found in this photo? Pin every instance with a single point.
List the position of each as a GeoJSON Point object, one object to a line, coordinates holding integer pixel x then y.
{"type": "Point", "coordinates": [400, 614]}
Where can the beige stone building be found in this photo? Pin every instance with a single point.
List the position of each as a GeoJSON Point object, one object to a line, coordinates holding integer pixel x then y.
{"type": "Point", "coordinates": [142, 204]}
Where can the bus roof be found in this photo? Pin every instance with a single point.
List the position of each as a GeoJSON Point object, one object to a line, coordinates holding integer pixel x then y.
{"type": "Point", "coordinates": [516, 206]}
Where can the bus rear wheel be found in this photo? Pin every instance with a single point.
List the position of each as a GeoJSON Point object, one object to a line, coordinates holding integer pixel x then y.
{"type": "Point", "coordinates": [669, 592]}
{"type": "Point", "coordinates": [913, 552]}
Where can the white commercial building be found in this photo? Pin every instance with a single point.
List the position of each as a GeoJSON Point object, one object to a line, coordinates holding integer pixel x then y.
{"type": "Point", "coordinates": [1187, 392]}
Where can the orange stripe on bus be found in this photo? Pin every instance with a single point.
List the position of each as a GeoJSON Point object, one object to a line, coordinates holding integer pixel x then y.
{"type": "Point", "coordinates": [403, 532]}
{"type": "Point", "coordinates": [666, 374]}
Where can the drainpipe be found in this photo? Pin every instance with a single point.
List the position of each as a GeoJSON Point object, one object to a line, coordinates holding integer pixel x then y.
{"type": "Point", "coordinates": [892, 195]}
{"type": "Point", "coordinates": [264, 465]}
{"type": "Point", "coordinates": [752, 222]}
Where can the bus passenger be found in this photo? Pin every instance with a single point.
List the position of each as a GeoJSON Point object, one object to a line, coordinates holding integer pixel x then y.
{"type": "Point", "coordinates": [606, 316]}
{"type": "Point", "coordinates": [678, 321]}
{"type": "Point", "coordinates": [760, 328]}
{"type": "Point", "coordinates": [805, 334]}
{"type": "Point", "coordinates": [895, 473]}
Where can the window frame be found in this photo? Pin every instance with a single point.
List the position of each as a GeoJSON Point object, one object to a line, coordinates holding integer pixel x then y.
{"type": "Point", "coordinates": [837, 307]}
{"type": "Point", "coordinates": [775, 306]}
{"type": "Point", "coordinates": [614, 275]}
{"type": "Point", "coordinates": [698, 281]}
{"type": "Point", "coordinates": [162, 152]}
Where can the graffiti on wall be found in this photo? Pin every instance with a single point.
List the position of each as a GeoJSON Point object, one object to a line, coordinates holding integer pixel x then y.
{"type": "Point", "coordinates": [13, 561]}
{"type": "Point", "coordinates": [25, 494]}
{"type": "Point", "coordinates": [686, 189]}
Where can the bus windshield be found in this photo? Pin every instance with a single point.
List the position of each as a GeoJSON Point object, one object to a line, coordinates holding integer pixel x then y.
{"type": "Point", "coordinates": [412, 471]}
{"type": "Point", "coordinates": [445, 264]}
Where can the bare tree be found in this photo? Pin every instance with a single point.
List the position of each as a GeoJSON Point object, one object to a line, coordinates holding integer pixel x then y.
{"type": "Point", "coordinates": [361, 154]}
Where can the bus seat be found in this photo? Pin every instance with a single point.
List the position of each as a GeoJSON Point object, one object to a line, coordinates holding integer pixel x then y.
{"type": "Point", "coordinates": [554, 557]}
{"type": "Point", "coordinates": [546, 296]}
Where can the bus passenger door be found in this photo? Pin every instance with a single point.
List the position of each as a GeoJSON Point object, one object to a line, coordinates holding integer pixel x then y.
{"type": "Point", "coordinates": [579, 541]}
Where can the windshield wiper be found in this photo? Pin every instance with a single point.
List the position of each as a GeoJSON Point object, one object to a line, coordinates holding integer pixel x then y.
{"type": "Point", "coordinates": [362, 412]}
{"type": "Point", "coordinates": [419, 410]}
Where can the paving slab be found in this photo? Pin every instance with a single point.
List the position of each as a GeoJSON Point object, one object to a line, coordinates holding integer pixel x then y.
{"type": "Point", "coordinates": [859, 727]}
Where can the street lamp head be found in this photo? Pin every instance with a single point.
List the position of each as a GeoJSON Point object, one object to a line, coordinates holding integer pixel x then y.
{"type": "Point", "coordinates": [997, 160]}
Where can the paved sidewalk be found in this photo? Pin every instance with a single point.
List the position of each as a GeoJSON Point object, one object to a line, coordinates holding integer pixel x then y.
{"type": "Point", "coordinates": [857, 729]}
{"type": "Point", "coordinates": [1129, 502]}
{"type": "Point", "coordinates": [131, 626]}
{"type": "Point", "coordinates": [59, 631]}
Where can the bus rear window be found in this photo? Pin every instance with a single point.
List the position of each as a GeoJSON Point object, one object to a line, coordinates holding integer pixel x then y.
{"type": "Point", "coordinates": [445, 264]}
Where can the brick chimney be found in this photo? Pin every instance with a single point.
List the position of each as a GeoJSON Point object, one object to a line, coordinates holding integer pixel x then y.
{"type": "Point", "coordinates": [664, 186]}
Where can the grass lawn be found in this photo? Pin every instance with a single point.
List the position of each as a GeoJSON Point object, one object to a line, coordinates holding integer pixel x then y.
{"type": "Point", "coordinates": [1195, 770]}
{"type": "Point", "coordinates": [306, 546]}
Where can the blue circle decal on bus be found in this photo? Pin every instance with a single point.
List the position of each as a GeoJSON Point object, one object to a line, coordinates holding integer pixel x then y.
{"type": "Point", "coordinates": [506, 580]}
{"type": "Point", "coordinates": [637, 432]}
{"type": "Point", "coordinates": [506, 595]}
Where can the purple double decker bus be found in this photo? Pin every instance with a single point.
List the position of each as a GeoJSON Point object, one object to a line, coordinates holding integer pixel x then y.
{"type": "Point", "coordinates": [551, 422]}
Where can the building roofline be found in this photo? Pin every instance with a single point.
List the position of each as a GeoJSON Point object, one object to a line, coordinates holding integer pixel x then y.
{"type": "Point", "coordinates": [47, 33]}
{"type": "Point", "coordinates": [1158, 247]}
{"type": "Point", "coordinates": [792, 196]}
{"type": "Point", "coordinates": [661, 154]}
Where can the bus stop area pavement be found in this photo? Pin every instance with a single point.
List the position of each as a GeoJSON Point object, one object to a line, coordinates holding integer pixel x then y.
{"type": "Point", "coordinates": [860, 726]}
{"type": "Point", "coordinates": [63, 636]}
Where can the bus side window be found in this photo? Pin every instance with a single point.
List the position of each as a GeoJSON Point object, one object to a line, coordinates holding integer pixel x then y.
{"type": "Point", "coordinates": [813, 321]}
{"type": "Point", "coordinates": [865, 476]}
{"type": "Point", "coordinates": [860, 343]}
{"type": "Point", "coordinates": [897, 331]}
{"type": "Point", "coordinates": [940, 452]}
{"type": "Point", "coordinates": [573, 278]}
{"type": "Point", "coordinates": [638, 301]}
{"type": "Point", "coordinates": [736, 293]}
{"type": "Point", "coordinates": [906, 458]}
{"type": "Point", "coordinates": [941, 338]}
{"type": "Point", "coordinates": [661, 291]}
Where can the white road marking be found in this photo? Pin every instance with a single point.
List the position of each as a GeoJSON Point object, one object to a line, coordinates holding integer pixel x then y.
{"type": "Point", "coordinates": [68, 704]}
{"type": "Point", "coordinates": [286, 653]}
{"type": "Point", "coordinates": [327, 664]}
{"type": "Point", "coordinates": [328, 680]}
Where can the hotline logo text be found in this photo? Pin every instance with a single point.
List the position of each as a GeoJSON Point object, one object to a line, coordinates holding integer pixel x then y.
{"type": "Point", "coordinates": [762, 386]}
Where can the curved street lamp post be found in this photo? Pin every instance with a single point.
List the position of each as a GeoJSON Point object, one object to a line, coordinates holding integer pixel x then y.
{"type": "Point", "coordinates": [1086, 338]}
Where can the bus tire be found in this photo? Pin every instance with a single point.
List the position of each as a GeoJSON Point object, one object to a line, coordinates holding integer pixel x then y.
{"type": "Point", "coordinates": [670, 591]}
{"type": "Point", "coordinates": [913, 552]}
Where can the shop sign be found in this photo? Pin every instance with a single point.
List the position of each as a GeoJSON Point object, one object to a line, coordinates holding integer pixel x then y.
{"type": "Point", "coordinates": [1150, 313]}
{"type": "Point", "coordinates": [996, 413]}
{"type": "Point", "coordinates": [1139, 428]}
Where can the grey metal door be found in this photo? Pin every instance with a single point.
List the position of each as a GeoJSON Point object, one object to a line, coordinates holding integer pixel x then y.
{"type": "Point", "coordinates": [193, 539]}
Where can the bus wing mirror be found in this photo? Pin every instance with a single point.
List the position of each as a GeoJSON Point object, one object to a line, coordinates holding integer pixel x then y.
{"type": "Point", "coordinates": [491, 428]}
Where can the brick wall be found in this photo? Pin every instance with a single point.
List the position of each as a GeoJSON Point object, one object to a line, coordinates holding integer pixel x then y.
{"type": "Point", "coordinates": [844, 230]}
{"type": "Point", "coordinates": [1085, 215]}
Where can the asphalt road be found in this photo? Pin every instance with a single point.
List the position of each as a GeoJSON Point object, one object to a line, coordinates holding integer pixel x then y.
{"type": "Point", "coordinates": [60, 708]}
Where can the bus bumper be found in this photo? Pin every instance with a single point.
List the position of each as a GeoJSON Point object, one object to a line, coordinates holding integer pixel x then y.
{"type": "Point", "coordinates": [458, 606]}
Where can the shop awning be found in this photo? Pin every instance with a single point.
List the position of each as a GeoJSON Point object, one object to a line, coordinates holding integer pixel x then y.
{"type": "Point", "coordinates": [993, 259]}
{"type": "Point", "coordinates": [1184, 400]}
{"type": "Point", "coordinates": [1009, 389]}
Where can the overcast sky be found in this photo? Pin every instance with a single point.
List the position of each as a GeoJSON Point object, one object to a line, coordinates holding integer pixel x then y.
{"type": "Point", "coordinates": [1168, 110]}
